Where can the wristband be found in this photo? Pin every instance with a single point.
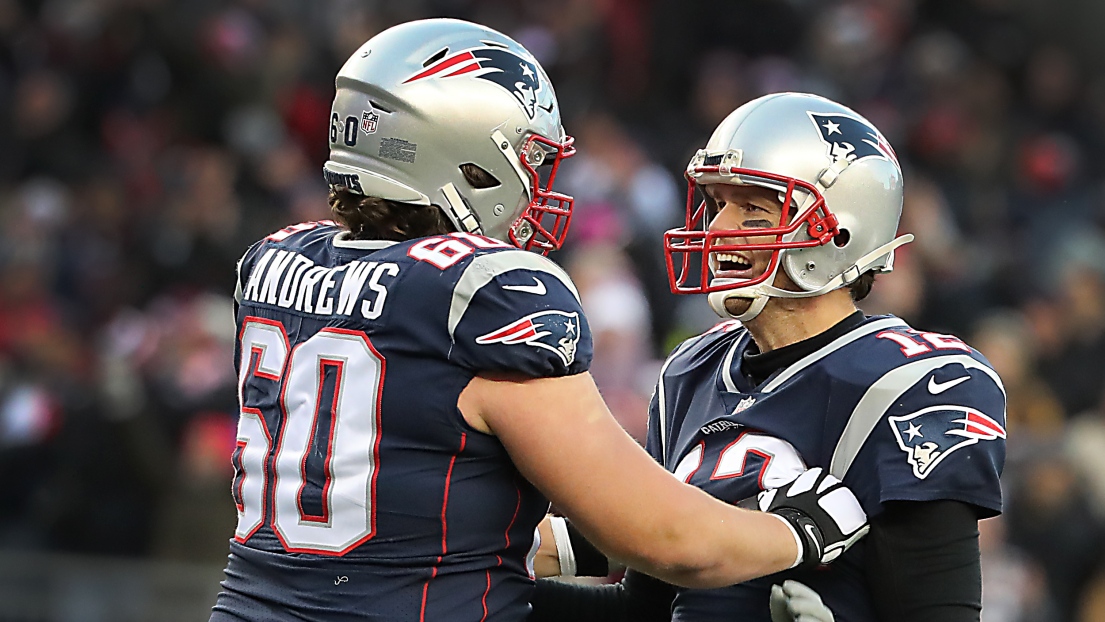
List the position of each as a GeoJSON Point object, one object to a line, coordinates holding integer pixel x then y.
{"type": "Point", "coordinates": [563, 546]}
{"type": "Point", "coordinates": [797, 541]}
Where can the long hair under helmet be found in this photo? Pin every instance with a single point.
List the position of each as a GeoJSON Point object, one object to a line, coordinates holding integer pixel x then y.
{"type": "Point", "coordinates": [421, 100]}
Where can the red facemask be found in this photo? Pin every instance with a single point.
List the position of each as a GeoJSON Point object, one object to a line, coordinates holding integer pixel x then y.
{"type": "Point", "coordinates": [549, 213]}
{"type": "Point", "coordinates": [688, 249]}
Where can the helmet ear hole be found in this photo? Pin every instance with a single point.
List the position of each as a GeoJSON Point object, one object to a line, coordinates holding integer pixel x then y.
{"type": "Point", "coordinates": [841, 240]}
{"type": "Point", "coordinates": [478, 177]}
{"type": "Point", "coordinates": [378, 106]}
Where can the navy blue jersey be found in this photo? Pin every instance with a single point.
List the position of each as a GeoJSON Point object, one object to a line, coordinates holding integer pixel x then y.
{"type": "Point", "coordinates": [898, 414]}
{"type": "Point", "coordinates": [362, 493]}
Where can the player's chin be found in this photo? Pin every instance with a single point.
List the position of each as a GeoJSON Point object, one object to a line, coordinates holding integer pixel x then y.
{"type": "Point", "coordinates": [737, 306]}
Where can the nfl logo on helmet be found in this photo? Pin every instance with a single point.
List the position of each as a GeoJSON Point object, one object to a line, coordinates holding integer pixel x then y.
{"type": "Point", "coordinates": [369, 122]}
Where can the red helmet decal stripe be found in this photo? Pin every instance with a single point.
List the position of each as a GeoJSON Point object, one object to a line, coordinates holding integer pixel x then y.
{"type": "Point", "coordinates": [441, 65]}
{"type": "Point", "coordinates": [465, 69]}
{"type": "Point", "coordinates": [884, 146]}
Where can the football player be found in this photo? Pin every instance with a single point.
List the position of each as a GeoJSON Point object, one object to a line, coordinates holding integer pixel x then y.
{"type": "Point", "coordinates": [798, 206]}
{"type": "Point", "coordinates": [413, 383]}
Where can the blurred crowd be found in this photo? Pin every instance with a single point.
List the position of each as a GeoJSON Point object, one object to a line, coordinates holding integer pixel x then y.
{"type": "Point", "coordinates": [146, 143]}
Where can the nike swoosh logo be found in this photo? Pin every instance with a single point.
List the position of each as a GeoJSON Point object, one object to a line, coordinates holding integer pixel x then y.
{"type": "Point", "coordinates": [537, 289]}
{"type": "Point", "coordinates": [937, 388]}
{"type": "Point", "coordinates": [811, 531]}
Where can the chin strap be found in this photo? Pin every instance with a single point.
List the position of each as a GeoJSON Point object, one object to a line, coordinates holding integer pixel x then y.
{"type": "Point", "coordinates": [717, 303]}
{"type": "Point", "coordinates": [458, 209]}
{"type": "Point", "coordinates": [760, 294]}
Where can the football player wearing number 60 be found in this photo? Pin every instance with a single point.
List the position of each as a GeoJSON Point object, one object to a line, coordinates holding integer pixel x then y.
{"type": "Point", "coordinates": [798, 201]}
{"type": "Point", "coordinates": [413, 382]}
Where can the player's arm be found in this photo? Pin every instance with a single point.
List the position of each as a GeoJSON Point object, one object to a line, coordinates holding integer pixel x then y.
{"type": "Point", "coordinates": [640, 598]}
{"type": "Point", "coordinates": [564, 552]}
{"type": "Point", "coordinates": [922, 562]}
{"type": "Point", "coordinates": [546, 561]}
{"type": "Point", "coordinates": [563, 439]}
{"type": "Point", "coordinates": [636, 598]}
{"type": "Point", "coordinates": [939, 454]}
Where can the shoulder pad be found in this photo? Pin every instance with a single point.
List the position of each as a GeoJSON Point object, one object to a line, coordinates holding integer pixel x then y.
{"type": "Point", "coordinates": [511, 309]}
{"type": "Point", "coordinates": [486, 267]}
{"type": "Point", "coordinates": [291, 230]}
{"type": "Point", "coordinates": [887, 393]}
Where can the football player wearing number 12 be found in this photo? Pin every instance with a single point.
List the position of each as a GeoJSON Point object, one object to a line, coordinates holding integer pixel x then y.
{"type": "Point", "coordinates": [413, 382]}
{"type": "Point", "coordinates": [800, 201]}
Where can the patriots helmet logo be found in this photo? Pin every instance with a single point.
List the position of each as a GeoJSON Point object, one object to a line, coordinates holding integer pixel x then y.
{"type": "Point", "coordinates": [848, 138]}
{"type": "Point", "coordinates": [930, 435]}
{"type": "Point", "coordinates": [518, 76]}
{"type": "Point", "coordinates": [556, 331]}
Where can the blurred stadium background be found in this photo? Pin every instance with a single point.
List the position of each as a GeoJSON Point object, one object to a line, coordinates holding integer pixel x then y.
{"type": "Point", "coordinates": [145, 143]}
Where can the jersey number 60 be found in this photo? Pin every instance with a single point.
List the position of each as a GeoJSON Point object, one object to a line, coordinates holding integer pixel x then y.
{"type": "Point", "coordinates": [328, 406]}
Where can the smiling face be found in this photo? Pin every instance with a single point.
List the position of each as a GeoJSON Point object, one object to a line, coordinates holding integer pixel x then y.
{"type": "Point", "coordinates": [744, 208]}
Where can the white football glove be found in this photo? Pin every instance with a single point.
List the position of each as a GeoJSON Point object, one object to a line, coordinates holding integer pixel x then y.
{"type": "Point", "coordinates": [794, 602]}
{"type": "Point", "coordinates": [825, 516]}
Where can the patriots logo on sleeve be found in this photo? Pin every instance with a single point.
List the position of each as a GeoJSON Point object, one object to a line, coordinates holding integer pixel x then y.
{"type": "Point", "coordinates": [930, 435]}
{"type": "Point", "coordinates": [556, 331]}
{"type": "Point", "coordinates": [850, 139]}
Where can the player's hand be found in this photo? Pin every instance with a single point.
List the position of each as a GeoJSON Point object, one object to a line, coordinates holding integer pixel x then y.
{"type": "Point", "coordinates": [794, 602]}
{"type": "Point", "coordinates": [824, 514]}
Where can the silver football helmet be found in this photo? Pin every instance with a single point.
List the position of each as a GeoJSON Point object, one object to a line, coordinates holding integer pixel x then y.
{"type": "Point", "coordinates": [835, 171]}
{"type": "Point", "coordinates": [423, 99]}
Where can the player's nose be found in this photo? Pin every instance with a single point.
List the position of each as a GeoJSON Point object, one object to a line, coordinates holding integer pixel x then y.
{"type": "Point", "coordinates": [727, 219]}
{"type": "Point", "coordinates": [732, 219]}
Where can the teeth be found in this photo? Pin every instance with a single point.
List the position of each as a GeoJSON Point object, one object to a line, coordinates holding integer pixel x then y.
{"type": "Point", "coordinates": [732, 258]}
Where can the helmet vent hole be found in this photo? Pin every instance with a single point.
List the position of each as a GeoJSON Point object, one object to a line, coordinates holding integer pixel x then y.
{"type": "Point", "coordinates": [495, 44]}
{"type": "Point", "coordinates": [379, 107]}
{"type": "Point", "coordinates": [842, 238]}
{"type": "Point", "coordinates": [478, 177]}
{"type": "Point", "coordinates": [440, 54]}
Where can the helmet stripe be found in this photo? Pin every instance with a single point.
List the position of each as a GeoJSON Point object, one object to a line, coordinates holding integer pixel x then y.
{"type": "Point", "coordinates": [441, 65]}
{"type": "Point", "coordinates": [466, 69]}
